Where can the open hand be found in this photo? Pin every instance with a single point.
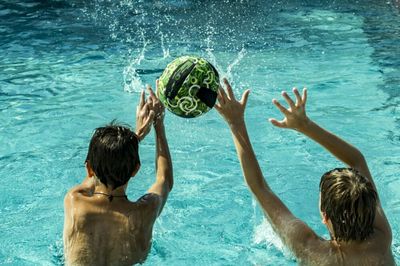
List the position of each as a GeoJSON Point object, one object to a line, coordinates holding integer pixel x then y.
{"type": "Point", "coordinates": [156, 105]}
{"type": "Point", "coordinates": [295, 115]}
{"type": "Point", "coordinates": [144, 117]}
{"type": "Point", "coordinates": [228, 107]}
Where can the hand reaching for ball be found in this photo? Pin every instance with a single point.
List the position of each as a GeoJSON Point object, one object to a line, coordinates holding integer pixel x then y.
{"type": "Point", "coordinates": [231, 109]}
{"type": "Point", "coordinates": [156, 105]}
{"type": "Point", "coordinates": [144, 117]}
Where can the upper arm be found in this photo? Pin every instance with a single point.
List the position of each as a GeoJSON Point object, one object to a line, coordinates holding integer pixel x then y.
{"type": "Point", "coordinates": [295, 233]}
{"type": "Point", "coordinates": [161, 189]}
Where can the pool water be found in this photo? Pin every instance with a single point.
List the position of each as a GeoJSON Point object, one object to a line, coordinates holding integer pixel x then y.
{"type": "Point", "coordinates": [67, 67]}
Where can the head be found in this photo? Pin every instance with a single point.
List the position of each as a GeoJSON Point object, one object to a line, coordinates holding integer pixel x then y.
{"type": "Point", "coordinates": [113, 155]}
{"type": "Point", "coordinates": [347, 204]}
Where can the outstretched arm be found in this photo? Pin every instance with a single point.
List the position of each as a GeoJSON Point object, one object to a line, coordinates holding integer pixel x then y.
{"type": "Point", "coordinates": [296, 118]}
{"type": "Point", "coordinates": [164, 176]}
{"type": "Point", "coordinates": [293, 231]}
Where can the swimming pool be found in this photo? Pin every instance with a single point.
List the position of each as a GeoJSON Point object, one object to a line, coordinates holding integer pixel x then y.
{"type": "Point", "coordinates": [68, 67]}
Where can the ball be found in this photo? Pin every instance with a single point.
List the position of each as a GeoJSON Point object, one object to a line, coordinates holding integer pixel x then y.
{"type": "Point", "coordinates": [188, 86]}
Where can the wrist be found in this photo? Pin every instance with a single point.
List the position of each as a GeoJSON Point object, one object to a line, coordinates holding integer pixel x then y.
{"type": "Point", "coordinates": [140, 135]}
{"type": "Point", "coordinates": [304, 126]}
{"type": "Point", "coordinates": [159, 125]}
{"type": "Point", "coordinates": [237, 124]}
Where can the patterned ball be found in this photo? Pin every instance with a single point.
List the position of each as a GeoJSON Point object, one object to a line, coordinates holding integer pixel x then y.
{"type": "Point", "coordinates": [188, 86]}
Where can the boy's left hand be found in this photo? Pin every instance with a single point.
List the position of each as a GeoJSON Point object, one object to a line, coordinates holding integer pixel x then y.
{"type": "Point", "coordinates": [144, 117]}
{"type": "Point", "coordinates": [156, 105]}
{"type": "Point", "coordinates": [229, 108]}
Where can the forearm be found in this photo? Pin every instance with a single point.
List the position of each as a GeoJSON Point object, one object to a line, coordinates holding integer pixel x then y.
{"type": "Point", "coordinates": [163, 157]}
{"type": "Point", "coordinates": [248, 161]}
{"type": "Point", "coordinates": [275, 210]}
{"type": "Point", "coordinates": [344, 151]}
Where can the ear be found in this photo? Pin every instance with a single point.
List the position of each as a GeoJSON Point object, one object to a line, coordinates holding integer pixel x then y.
{"type": "Point", "coordinates": [89, 170]}
{"type": "Point", "coordinates": [136, 169]}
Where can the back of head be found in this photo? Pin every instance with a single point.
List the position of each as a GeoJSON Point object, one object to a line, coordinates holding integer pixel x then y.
{"type": "Point", "coordinates": [349, 201]}
{"type": "Point", "coordinates": [113, 154]}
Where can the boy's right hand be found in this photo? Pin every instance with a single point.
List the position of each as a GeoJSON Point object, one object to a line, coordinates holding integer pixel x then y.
{"type": "Point", "coordinates": [295, 115]}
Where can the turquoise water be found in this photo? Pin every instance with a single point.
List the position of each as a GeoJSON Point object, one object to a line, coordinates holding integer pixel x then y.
{"type": "Point", "coordinates": [68, 67]}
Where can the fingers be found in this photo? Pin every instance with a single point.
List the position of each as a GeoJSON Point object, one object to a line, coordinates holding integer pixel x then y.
{"type": "Point", "coordinates": [218, 107]}
{"type": "Point", "coordinates": [280, 107]}
{"type": "Point", "coordinates": [245, 97]}
{"type": "Point", "coordinates": [142, 99]}
{"type": "Point", "coordinates": [157, 87]}
{"type": "Point", "coordinates": [151, 92]}
{"type": "Point", "coordinates": [222, 95]}
{"type": "Point", "coordinates": [277, 123]}
{"type": "Point", "coordinates": [288, 100]}
{"type": "Point", "coordinates": [151, 116]}
{"type": "Point", "coordinates": [145, 108]}
{"type": "Point", "coordinates": [299, 101]}
{"type": "Point", "coordinates": [229, 89]}
{"type": "Point", "coordinates": [304, 98]}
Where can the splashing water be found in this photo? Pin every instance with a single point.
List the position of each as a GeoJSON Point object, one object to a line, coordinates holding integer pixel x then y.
{"type": "Point", "coordinates": [264, 233]}
{"type": "Point", "coordinates": [132, 80]}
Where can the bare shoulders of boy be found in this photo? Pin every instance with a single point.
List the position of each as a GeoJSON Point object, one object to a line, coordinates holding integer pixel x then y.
{"type": "Point", "coordinates": [120, 229]}
{"type": "Point", "coordinates": [374, 251]}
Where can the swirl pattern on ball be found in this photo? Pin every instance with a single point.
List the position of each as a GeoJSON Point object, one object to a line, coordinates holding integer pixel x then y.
{"type": "Point", "coordinates": [188, 86]}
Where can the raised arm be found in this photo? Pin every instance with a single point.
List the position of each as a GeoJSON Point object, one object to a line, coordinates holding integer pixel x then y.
{"type": "Point", "coordinates": [296, 118]}
{"type": "Point", "coordinates": [293, 231]}
{"type": "Point", "coordinates": [164, 176]}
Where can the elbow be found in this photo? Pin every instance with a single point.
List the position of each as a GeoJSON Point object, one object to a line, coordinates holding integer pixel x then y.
{"type": "Point", "coordinates": [359, 160]}
{"type": "Point", "coordinates": [169, 181]}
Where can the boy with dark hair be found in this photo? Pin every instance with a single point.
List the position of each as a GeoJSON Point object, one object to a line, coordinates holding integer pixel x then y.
{"type": "Point", "coordinates": [349, 204]}
{"type": "Point", "coordinates": [101, 226]}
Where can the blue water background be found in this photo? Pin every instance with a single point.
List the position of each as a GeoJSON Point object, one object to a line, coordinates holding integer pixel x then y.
{"type": "Point", "coordinates": [67, 67]}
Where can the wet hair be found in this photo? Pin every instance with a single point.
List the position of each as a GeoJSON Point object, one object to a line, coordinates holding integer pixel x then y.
{"type": "Point", "coordinates": [113, 154]}
{"type": "Point", "coordinates": [349, 201]}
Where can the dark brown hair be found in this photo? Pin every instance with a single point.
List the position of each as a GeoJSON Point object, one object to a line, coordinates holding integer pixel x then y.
{"type": "Point", "coordinates": [349, 201]}
{"type": "Point", "coordinates": [113, 154]}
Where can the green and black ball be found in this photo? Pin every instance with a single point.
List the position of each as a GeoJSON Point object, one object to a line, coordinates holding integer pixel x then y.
{"type": "Point", "coordinates": [188, 86]}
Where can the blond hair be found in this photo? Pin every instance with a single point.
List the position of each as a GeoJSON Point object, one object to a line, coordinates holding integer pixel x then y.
{"type": "Point", "coordinates": [349, 201]}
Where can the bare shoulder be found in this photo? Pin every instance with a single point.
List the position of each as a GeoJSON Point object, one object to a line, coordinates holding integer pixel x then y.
{"type": "Point", "coordinates": [149, 202]}
{"type": "Point", "coordinates": [73, 195]}
{"type": "Point", "coordinates": [76, 201]}
{"type": "Point", "coordinates": [326, 252]}
{"type": "Point", "coordinates": [149, 206]}
{"type": "Point", "coordinates": [305, 243]}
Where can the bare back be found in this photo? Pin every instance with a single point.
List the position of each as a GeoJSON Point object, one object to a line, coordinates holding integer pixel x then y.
{"type": "Point", "coordinates": [100, 232]}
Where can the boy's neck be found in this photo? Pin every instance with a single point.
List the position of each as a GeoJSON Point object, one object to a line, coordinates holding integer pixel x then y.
{"type": "Point", "coordinates": [100, 187]}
